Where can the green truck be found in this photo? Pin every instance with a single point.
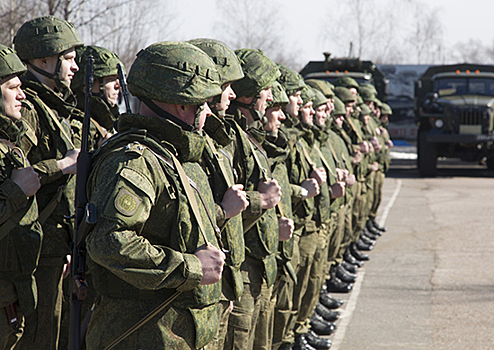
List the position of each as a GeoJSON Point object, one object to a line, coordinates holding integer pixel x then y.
{"type": "Point", "coordinates": [362, 71]}
{"type": "Point", "coordinates": [454, 112]}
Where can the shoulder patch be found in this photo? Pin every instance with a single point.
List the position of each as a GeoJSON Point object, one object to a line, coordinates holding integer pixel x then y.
{"type": "Point", "coordinates": [126, 202]}
{"type": "Point", "coordinates": [140, 182]}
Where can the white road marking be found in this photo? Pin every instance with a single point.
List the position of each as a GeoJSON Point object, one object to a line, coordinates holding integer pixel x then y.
{"type": "Point", "coordinates": [347, 314]}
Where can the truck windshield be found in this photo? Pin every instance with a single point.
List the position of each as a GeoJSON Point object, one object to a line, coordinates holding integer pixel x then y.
{"type": "Point", "coordinates": [464, 86]}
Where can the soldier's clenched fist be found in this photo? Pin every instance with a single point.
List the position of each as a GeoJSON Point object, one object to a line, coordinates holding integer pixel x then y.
{"type": "Point", "coordinates": [212, 260]}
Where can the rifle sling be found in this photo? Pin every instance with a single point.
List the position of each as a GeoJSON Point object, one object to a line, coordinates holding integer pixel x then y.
{"type": "Point", "coordinates": [324, 160]}
{"type": "Point", "coordinates": [219, 160]}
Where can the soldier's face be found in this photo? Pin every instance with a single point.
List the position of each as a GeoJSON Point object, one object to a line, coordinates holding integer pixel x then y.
{"type": "Point", "coordinates": [366, 119]}
{"type": "Point", "coordinates": [354, 92]}
{"type": "Point", "coordinates": [12, 97]}
{"type": "Point", "coordinates": [384, 118]}
{"type": "Point", "coordinates": [321, 115]}
{"type": "Point", "coordinates": [349, 109]}
{"type": "Point", "coordinates": [112, 88]}
{"type": "Point", "coordinates": [329, 107]}
{"type": "Point", "coordinates": [275, 116]}
{"type": "Point", "coordinates": [307, 113]}
{"type": "Point", "coordinates": [339, 120]}
{"type": "Point", "coordinates": [293, 106]}
{"type": "Point", "coordinates": [226, 96]}
{"type": "Point", "coordinates": [206, 112]}
{"type": "Point", "coordinates": [68, 67]}
{"type": "Point", "coordinates": [266, 96]}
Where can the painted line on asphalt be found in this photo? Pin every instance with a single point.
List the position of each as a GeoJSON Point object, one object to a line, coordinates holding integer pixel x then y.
{"type": "Point", "coordinates": [347, 314]}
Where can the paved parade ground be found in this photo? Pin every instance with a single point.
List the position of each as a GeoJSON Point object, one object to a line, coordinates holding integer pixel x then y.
{"type": "Point", "coordinates": [430, 281]}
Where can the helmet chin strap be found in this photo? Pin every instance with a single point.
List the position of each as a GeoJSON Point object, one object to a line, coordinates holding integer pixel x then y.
{"type": "Point", "coordinates": [256, 115]}
{"type": "Point", "coordinates": [62, 85]}
{"type": "Point", "coordinates": [165, 115]}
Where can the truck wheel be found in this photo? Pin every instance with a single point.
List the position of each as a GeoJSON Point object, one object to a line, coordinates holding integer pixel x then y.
{"type": "Point", "coordinates": [490, 162]}
{"type": "Point", "coordinates": [426, 155]}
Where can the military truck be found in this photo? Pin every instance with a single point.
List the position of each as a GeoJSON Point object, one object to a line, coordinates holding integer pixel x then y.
{"type": "Point", "coordinates": [454, 112]}
{"type": "Point", "coordinates": [362, 71]}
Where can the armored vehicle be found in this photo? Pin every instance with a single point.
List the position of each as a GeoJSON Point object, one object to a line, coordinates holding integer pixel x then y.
{"type": "Point", "coordinates": [454, 112]}
{"type": "Point", "coordinates": [362, 71]}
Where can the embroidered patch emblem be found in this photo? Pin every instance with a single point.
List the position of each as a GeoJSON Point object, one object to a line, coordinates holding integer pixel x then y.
{"type": "Point", "coordinates": [127, 202]}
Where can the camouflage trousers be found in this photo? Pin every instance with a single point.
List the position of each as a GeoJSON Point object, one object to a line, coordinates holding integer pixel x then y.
{"type": "Point", "coordinates": [243, 327]}
{"type": "Point", "coordinates": [336, 239]}
{"type": "Point", "coordinates": [8, 295]}
{"type": "Point", "coordinates": [283, 292]}
{"type": "Point", "coordinates": [317, 275]}
{"type": "Point", "coordinates": [358, 209]}
{"type": "Point", "coordinates": [218, 342]}
{"type": "Point", "coordinates": [345, 216]}
{"type": "Point", "coordinates": [43, 325]}
{"type": "Point", "coordinates": [378, 192]}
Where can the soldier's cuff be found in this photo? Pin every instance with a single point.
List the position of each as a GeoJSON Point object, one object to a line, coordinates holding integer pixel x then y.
{"type": "Point", "coordinates": [192, 272]}
{"type": "Point", "coordinates": [220, 215]}
{"type": "Point", "coordinates": [48, 171]}
{"type": "Point", "coordinates": [15, 194]}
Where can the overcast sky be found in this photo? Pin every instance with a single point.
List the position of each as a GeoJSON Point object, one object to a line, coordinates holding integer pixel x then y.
{"type": "Point", "coordinates": [461, 20]}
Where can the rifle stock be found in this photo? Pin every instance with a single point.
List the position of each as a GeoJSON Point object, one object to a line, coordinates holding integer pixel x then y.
{"type": "Point", "coordinates": [123, 84]}
{"type": "Point", "coordinates": [85, 217]}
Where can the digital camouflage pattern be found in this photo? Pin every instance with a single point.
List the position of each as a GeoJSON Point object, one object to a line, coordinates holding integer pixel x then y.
{"type": "Point", "coordinates": [347, 82]}
{"type": "Point", "coordinates": [259, 72]}
{"type": "Point", "coordinates": [344, 94]}
{"type": "Point", "coordinates": [174, 72]}
{"type": "Point", "coordinates": [10, 64]}
{"type": "Point", "coordinates": [320, 85]}
{"type": "Point", "coordinates": [142, 206]}
{"type": "Point", "coordinates": [225, 59]}
{"type": "Point", "coordinates": [44, 37]}
{"type": "Point", "coordinates": [290, 80]}
{"type": "Point", "coordinates": [279, 96]}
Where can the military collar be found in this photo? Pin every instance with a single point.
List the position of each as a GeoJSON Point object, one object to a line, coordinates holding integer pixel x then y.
{"type": "Point", "coordinates": [218, 130]}
{"type": "Point", "coordinates": [189, 145]}
{"type": "Point", "coordinates": [10, 130]}
{"type": "Point", "coordinates": [276, 148]}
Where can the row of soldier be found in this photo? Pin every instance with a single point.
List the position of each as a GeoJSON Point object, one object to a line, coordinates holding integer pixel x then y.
{"type": "Point", "coordinates": [235, 200]}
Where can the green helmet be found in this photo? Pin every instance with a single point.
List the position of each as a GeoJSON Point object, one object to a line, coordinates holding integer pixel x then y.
{"type": "Point", "coordinates": [339, 107]}
{"type": "Point", "coordinates": [369, 86]}
{"type": "Point", "coordinates": [45, 36]}
{"type": "Point", "coordinates": [344, 94]}
{"type": "Point", "coordinates": [320, 85]}
{"type": "Point", "coordinates": [319, 98]}
{"type": "Point", "coordinates": [291, 80]}
{"type": "Point", "coordinates": [10, 63]}
{"type": "Point", "coordinates": [364, 110]}
{"type": "Point", "coordinates": [280, 97]}
{"type": "Point", "coordinates": [226, 61]}
{"type": "Point", "coordinates": [259, 72]}
{"type": "Point", "coordinates": [347, 82]}
{"type": "Point", "coordinates": [367, 94]}
{"type": "Point", "coordinates": [175, 73]}
{"type": "Point", "coordinates": [378, 103]}
{"type": "Point", "coordinates": [105, 64]}
{"type": "Point", "coordinates": [307, 95]}
{"type": "Point", "coordinates": [386, 109]}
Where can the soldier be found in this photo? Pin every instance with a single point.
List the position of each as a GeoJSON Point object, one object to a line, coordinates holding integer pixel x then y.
{"type": "Point", "coordinates": [104, 107]}
{"type": "Point", "coordinates": [154, 242]}
{"type": "Point", "coordinates": [47, 45]}
{"type": "Point", "coordinates": [260, 224]}
{"type": "Point", "coordinates": [20, 232]}
{"type": "Point", "coordinates": [230, 198]}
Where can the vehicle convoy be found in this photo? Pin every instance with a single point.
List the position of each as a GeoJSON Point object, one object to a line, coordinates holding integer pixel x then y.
{"type": "Point", "coordinates": [362, 71]}
{"type": "Point", "coordinates": [454, 112]}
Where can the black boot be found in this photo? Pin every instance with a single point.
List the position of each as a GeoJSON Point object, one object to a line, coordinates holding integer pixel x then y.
{"type": "Point", "coordinates": [344, 275]}
{"type": "Point", "coordinates": [370, 227]}
{"type": "Point", "coordinates": [349, 267]}
{"type": "Point", "coordinates": [366, 239]}
{"type": "Point", "coordinates": [357, 254]}
{"type": "Point", "coordinates": [361, 245]}
{"type": "Point", "coordinates": [351, 259]}
{"type": "Point", "coordinates": [315, 341]}
{"type": "Point", "coordinates": [380, 228]}
{"type": "Point", "coordinates": [321, 326]}
{"type": "Point", "coordinates": [369, 235]}
{"type": "Point", "coordinates": [334, 284]}
{"type": "Point", "coordinates": [330, 302]}
{"type": "Point", "coordinates": [327, 314]}
{"type": "Point", "coordinates": [301, 344]}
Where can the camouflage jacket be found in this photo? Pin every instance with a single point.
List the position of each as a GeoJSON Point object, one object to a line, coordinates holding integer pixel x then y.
{"type": "Point", "coordinates": [343, 158]}
{"type": "Point", "coordinates": [101, 112]}
{"type": "Point", "coordinates": [260, 226]}
{"type": "Point", "coordinates": [20, 233]}
{"type": "Point", "coordinates": [221, 135]}
{"type": "Point", "coordinates": [352, 129]}
{"type": "Point", "coordinates": [44, 113]}
{"type": "Point", "coordinates": [143, 243]}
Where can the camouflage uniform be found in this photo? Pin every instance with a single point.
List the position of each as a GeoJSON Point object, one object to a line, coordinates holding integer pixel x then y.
{"type": "Point", "coordinates": [47, 113]}
{"type": "Point", "coordinates": [20, 232]}
{"type": "Point", "coordinates": [141, 250]}
{"type": "Point", "coordinates": [260, 226]}
{"type": "Point", "coordinates": [217, 162]}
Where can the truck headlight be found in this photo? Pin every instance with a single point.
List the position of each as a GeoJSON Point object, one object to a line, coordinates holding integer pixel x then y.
{"type": "Point", "coordinates": [438, 123]}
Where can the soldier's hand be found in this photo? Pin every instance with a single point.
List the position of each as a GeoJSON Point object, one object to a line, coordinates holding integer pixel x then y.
{"type": "Point", "coordinates": [375, 143]}
{"type": "Point", "coordinates": [351, 180]}
{"type": "Point", "coordinates": [286, 227]}
{"type": "Point", "coordinates": [342, 174]}
{"type": "Point", "coordinates": [270, 193]}
{"type": "Point", "coordinates": [389, 144]}
{"type": "Point", "coordinates": [66, 267]}
{"type": "Point", "coordinates": [338, 190]}
{"type": "Point", "coordinates": [364, 147]}
{"type": "Point", "coordinates": [212, 260]}
{"type": "Point", "coordinates": [311, 186]}
{"type": "Point", "coordinates": [68, 164]}
{"type": "Point", "coordinates": [102, 139]}
{"type": "Point", "coordinates": [319, 174]}
{"type": "Point", "coordinates": [375, 166]}
{"type": "Point", "coordinates": [234, 201]}
{"type": "Point", "coordinates": [27, 179]}
{"type": "Point", "coordinates": [357, 157]}
{"type": "Point", "coordinates": [384, 131]}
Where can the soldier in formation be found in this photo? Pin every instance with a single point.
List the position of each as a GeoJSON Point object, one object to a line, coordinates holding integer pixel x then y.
{"type": "Point", "coordinates": [228, 207]}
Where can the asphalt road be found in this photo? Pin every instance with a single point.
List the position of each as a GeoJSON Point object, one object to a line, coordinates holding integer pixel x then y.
{"type": "Point", "coordinates": [429, 284]}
